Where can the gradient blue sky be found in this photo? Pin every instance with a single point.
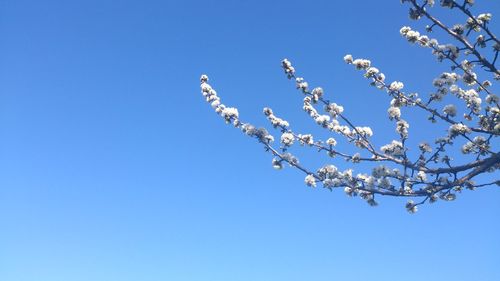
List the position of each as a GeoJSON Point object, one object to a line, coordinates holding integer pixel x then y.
{"type": "Point", "coordinates": [112, 166]}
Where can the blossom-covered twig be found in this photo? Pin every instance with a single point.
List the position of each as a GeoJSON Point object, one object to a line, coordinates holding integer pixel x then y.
{"type": "Point", "coordinates": [433, 175]}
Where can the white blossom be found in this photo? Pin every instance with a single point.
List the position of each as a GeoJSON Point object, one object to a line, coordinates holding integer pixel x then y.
{"type": "Point", "coordinates": [205, 87]}
{"type": "Point", "coordinates": [216, 103]}
{"type": "Point", "coordinates": [395, 148]}
{"type": "Point", "coordinates": [394, 113]}
{"type": "Point", "coordinates": [331, 141]}
{"type": "Point", "coordinates": [450, 110]}
{"type": "Point", "coordinates": [492, 98]}
{"type": "Point", "coordinates": [369, 181]}
{"type": "Point", "coordinates": [287, 139]}
{"type": "Point", "coordinates": [348, 191]}
{"type": "Point", "coordinates": [381, 171]}
{"type": "Point", "coordinates": [486, 84]}
{"type": "Point", "coordinates": [479, 143]}
{"type": "Point", "coordinates": [424, 40]}
{"type": "Point", "coordinates": [287, 66]}
{"type": "Point", "coordinates": [318, 92]}
{"type": "Point", "coordinates": [310, 180]}
{"type": "Point", "coordinates": [458, 129]}
{"type": "Point", "coordinates": [471, 98]}
{"type": "Point", "coordinates": [356, 158]}
{"type": "Point", "coordinates": [404, 30]}
{"type": "Point", "coordinates": [269, 138]}
{"type": "Point", "coordinates": [411, 207]}
{"type": "Point", "coordinates": [348, 59]}
{"type": "Point", "coordinates": [248, 129]}
{"type": "Point", "coordinates": [365, 131]}
{"type": "Point", "coordinates": [334, 109]}
{"type": "Point", "coordinates": [229, 113]}
{"type": "Point", "coordinates": [469, 78]}
{"type": "Point", "coordinates": [425, 147]}
{"type": "Point", "coordinates": [467, 148]}
{"type": "Point", "coordinates": [421, 176]}
{"type": "Point", "coordinates": [291, 159]}
{"type": "Point", "coordinates": [402, 128]}
{"type": "Point", "coordinates": [396, 86]}
{"type": "Point", "coordinates": [203, 78]}
{"type": "Point", "coordinates": [277, 164]}
{"type": "Point", "coordinates": [263, 135]}
{"type": "Point", "coordinates": [371, 71]}
{"type": "Point", "coordinates": [301, 84]}
{"type": "Point", "coordinates": [275, 121]}
{"type": "Point", "coordinates": [328, 171]}
{"type": "Point", "coordinates": [361, 63]}
{"type": "Point", "coordinates": [484, 17]}
{"type": "Point", "coordinates": [306, 139]}
{"type": "Point", "coordinates": [449, 197]}
{"type": "Point", "coordinates": [322, 120]}
{"type": "Point", "coordinates": [412, 36]}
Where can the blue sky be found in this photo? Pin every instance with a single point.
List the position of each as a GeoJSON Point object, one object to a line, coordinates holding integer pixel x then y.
{"type": "Point", "coordinates": [112, 166]}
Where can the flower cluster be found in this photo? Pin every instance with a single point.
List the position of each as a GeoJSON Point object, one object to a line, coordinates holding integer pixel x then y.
{"type": "Point", "coordinates": [260, 133]}
{"type": "Point", "coordinates": [445, 78]}
{"type": "Point", "coordinates": [471, 98]}
{"type": "Point", "coordinates": [411, 207]}
{"type": "Point", "coordinates": [402, 128]}
{"type": "Point", "coordinates": [320, 119]}
{"type": "Point", "coordinates": [394, 113]}
{"type": "Point", "coordinates": [287, 139]}
{"type": "Point", "coordinates": [365, 132]}
{"type": "Point", "coordinates": [425, 147]}
{"type": "Point", "coordinates": [306, 139]}
{"type": "Point", "coordinates": [331, 142]}
{"type": "Point", "coordinates": [334, 109]}
{"type": "Point", "coordinates": [441, 51]}
{"type": "Point", "coordinates": [396, 86]}
{"type": "Point", "coordinates": [317, 93]}
{"type": "Point", "coordinates": [230, 114]}
{"type": "Point", "coordinates": [478, 145]}
{"type": "Point", "coordinates": [289, 69]}
{"type": "Point", "coordinates": [395, 148]}
{"type": "Point", "coordinates": [277, 164]}
{"type": "Point", "coordinates": [458, 129]}
{"type": "Point", "coordinates": [275, 121]}
{"type": "Point", "coordinates": [421, 176]}
{"type": "Point", "coordinates": [310, 180]}
{"type": "Point", "coordinates": [477, 23]}
{"type": "Point", "coordinates": [450, 110]}
{"type": "Point", "coordinates": [361, 63]}
{"type": "Point", "coordinates": [290, 158]}
{"type": "Point", "coordinates": [302, 84]}
{"type": "Point", "coordinates": [411, 35]}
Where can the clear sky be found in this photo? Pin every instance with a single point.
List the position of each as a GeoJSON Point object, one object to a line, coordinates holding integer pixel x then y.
{"type": "Point", "coordinates": [112, 166]}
